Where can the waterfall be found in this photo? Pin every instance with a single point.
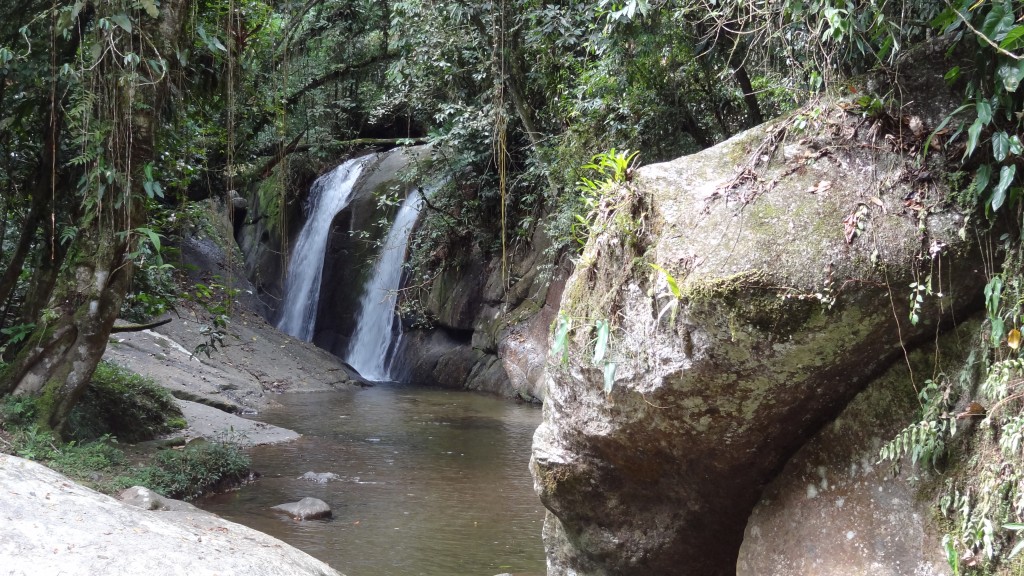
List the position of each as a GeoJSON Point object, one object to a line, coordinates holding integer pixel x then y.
{"type": "Point", "coordinates": [372, 343]}
{"type": "Point", "coordinates": [328, 196]}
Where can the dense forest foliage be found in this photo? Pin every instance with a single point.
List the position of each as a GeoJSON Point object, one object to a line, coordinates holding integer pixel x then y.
{"type": "Point", "coordinates": [115, 115]}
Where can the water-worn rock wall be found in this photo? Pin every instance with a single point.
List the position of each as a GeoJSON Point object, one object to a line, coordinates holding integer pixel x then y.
{"type": "Point", "coordinates": [488, 333]}
{"type": "Point", "coordinates": [785, 256]}
{"type": "Point", "coordinates": [835, 509]}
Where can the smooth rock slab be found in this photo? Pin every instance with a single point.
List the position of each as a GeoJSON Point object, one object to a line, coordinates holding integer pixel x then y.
{"type": "Point", "coordinates": [50, 525]}
{"type": "Point", "coordinates": [305, 509]}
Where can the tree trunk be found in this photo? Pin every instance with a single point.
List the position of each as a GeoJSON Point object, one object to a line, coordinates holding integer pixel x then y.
{"type": "Point", "coordinates": [749, 97]}
{"type": "Point", "coordinates": [62, 353]}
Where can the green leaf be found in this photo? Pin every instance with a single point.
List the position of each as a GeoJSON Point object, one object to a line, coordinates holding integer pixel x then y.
{"type": "Point", "coordinates": [998, 329]}
{"type": "Point", "coordinates": [673, 286]}
{"type": "Point", "coordinates": [150, 7]}
{"type": "Point", "coordinates": [609, 377]}
{"type": "Point", "coordinates": [998, 22]}
{"type": "Point", "coordinates": [1011, 73]}
{"type": "Point", "coordinates": [123, 21]}
{"type": "Point", "coordinates": [942, 125]}
{"type": "Point", "coordinates": [1016, 549]}
{"type": "Point", "coordinates": [153, 236]}
{"type": "Point", "coordinates": [601, 347]}
{"type": "Point", "coordinates": [952, 75]}
{"type": "Point", "coordinates": [1015, 145]}
{"type": "Point", "coordinates": [972, 136]}
{"type": "Point", "coordinates": [1005, 179]}
{"type": "Point", "coordinates": [1014, 39]}
{"type": "Point", "coordinates": [212, 42]}
{"type": "Point", "coordinates": [1000, 145]}
{"type": "Point", "coordinates": [984, 109]}
{"type": "Point", "coordinates": [981, 178]}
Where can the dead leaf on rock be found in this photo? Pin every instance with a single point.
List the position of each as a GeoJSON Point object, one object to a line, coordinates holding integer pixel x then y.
{"type": "Point", "coordinates": [823, 186]}
{"type": "Point", "coordinates": [853, 224]}
{"type": "Point", "coordinates": [973, 409]}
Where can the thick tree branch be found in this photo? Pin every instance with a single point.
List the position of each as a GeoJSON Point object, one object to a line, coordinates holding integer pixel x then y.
{"type": "Point", "coordinates": [139, 327]}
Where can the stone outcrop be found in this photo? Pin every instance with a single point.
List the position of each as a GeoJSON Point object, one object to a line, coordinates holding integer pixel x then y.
{"type": "Point", "coordinates": [50, 525]}
{"type": "Point", "coordinates": [783, 262]}
{"type": "Point", "coordinates": [835, 510]}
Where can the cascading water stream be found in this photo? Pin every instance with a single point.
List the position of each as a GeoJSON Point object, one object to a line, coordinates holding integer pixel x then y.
{"type": "Point", "coordinates": [328, 196]}
{"type": "Point", "coordinates": [373, 342]}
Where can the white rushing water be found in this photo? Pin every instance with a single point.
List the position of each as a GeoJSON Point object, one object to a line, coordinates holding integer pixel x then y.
{"type": "Point", "coordinates": [328, 196]}
{"type": "Point", "coordinates": [374, 340]}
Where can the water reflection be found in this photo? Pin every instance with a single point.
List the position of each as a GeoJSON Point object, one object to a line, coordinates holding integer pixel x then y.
{"type": "Point", "coordinates": [431, 482]}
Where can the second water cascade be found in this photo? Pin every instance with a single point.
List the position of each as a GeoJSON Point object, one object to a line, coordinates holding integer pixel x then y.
{"type": "Point", "coordinates": [373, 344]}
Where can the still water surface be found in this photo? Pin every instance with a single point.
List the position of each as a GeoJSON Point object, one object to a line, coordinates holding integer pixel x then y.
{"type": "Point", "coordinates": [432, 482]}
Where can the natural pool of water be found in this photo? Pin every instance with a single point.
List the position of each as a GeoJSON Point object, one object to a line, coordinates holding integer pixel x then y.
{"type": "Point", "coordinates": [432, 482]}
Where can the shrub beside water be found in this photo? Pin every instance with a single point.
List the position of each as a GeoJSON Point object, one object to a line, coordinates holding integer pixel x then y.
{"type": "Point", "coordinates": [198, 468]}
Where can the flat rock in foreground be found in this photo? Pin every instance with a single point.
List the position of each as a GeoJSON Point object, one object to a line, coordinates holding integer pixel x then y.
{"type": "Point", "coordinates": [50, 525]}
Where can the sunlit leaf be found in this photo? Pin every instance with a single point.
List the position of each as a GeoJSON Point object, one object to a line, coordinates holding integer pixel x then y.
{"type": "Point", "coordinates": [609, 377]}
{"type": "Point", "coordinates": [1013, 339]}
{"type": "Point", "coordinates": [673, 286]}
{"type": "Point", "coordinates": [1014, 39]}
{"type": "Point", "coordinates": [150, 7]}
{"type": "Point", "coordinates": [603, 331]}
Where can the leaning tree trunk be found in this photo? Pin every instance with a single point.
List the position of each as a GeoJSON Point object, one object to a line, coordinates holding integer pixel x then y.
{"type": "Point", "coordinates": [69, 342]}
{"type": "Point", "coordinates": [59, 363]}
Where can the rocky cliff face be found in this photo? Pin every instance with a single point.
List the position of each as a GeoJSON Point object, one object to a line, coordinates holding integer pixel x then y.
{"type": "Point", "coordinates": [783, 259]}
{"type": "Point", "coordinates": [487, 334]}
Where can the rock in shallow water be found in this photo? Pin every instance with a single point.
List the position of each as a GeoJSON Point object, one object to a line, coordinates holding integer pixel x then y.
{"type": "Point", "coordinates": [305, 509]}
{"type": "Point", "coordinates": [319, 477]}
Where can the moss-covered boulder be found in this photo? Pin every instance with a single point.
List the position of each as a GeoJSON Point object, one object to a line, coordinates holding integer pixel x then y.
{"type": "Point", "coordinates": [783, 261]}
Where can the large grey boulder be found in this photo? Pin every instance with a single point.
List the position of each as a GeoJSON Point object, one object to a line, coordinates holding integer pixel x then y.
{"type": "Point", "coordinates": [50, 525]}
{"type": "Point", "coordinates": [792, 251]}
